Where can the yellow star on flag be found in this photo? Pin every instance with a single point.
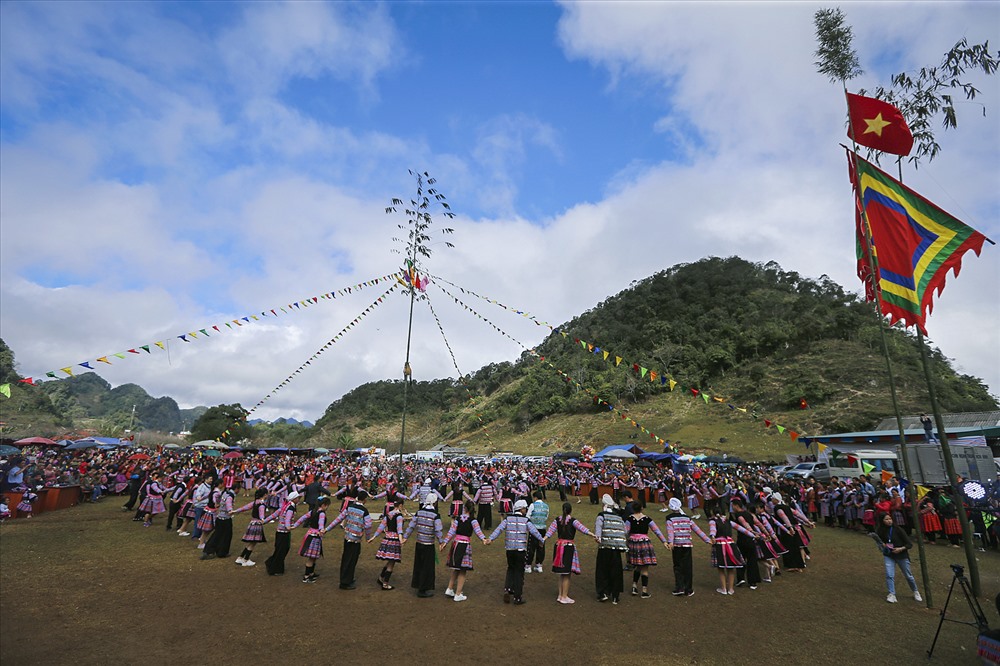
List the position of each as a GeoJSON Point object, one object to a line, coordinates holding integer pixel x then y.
{"type": "Point", "coordinates": [876, 124]}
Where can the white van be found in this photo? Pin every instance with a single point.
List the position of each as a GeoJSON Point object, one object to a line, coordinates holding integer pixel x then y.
{"type": "Point", "coordinates": [851, 464]}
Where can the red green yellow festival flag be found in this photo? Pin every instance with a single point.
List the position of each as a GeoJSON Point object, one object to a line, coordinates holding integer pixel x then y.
{"type": "Point", "coordinates": [915, 244]}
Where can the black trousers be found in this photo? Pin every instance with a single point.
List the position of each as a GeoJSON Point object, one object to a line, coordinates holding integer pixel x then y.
{"type": "Point", "coordinates": [608, 577]}
{"type": "Point", "coordinates": [221, 539]}
{"type": "Point", "coordinates": [423, 567]}
{"type": "Point", "coordinates": [514, 582]}
{"type": "Point", "coordinates": [683, 574]}
{"type": "Point", "coordinates": [349, 561]}
{"type": "Point", "coordinates": [133, 496]}
{"type": "Point", "coordinates": [282, 544]}
{"type": "Point", "coordinates": [485, 516]}
{"type": "Point", "coordinates": [536, 551]}
{"type": "Point", "coordinates": [751, 572]}
{"type": "Point", "coordinates": [174, 508]}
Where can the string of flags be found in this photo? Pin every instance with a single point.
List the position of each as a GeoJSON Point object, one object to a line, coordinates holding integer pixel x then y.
{"type": "Point", "coordinates": [653, 376]}
{"type": "Point", "coordinates": [207, 331]}
{"type": "Point", "coordinates": [526, 315]}
{"type": "Point", "coordinates": [664, 379]}
{"type": "Point", "coordinates": [461, 376]}
{"type": "Point", "coordinates": [287, 380]}
{"type": "Point", "coordinates": [596, 398]}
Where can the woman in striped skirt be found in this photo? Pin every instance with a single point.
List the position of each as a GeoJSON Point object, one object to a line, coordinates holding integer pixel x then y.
{"type": "Point", "coordinates": [389, 550]}
{"type": "Point", "coordinates": [460, 555]}
{"type": "Point", "coordinates": [565, 560]}
{"type": "Point", "coordinates": [255, 530]}
{"type": "Point", "coordinates": [312, 544]}
{"type": "Point", "coordinates": [640, 549]}
{"type": "Point", "coordinates": [153, 504]}
{"type": "Point", "coordinates": [207, 521]}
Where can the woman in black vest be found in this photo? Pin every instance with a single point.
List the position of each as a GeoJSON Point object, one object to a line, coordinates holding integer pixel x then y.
{"type": "Point", "coordinates": [565, 560]}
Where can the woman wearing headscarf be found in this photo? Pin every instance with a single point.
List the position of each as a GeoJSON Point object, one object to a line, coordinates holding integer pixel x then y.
{"type": "Point", "coordinates": [428, 526]}
{"type": "Point", "coordinates": [611, 543]}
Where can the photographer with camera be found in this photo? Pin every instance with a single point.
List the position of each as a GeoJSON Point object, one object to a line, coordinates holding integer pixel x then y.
{"type": "Point", "coordinates": [895, 547]}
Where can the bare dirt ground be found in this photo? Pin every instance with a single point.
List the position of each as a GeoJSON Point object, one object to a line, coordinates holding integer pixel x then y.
{"type": "Point", "coordinates": [89, 586]}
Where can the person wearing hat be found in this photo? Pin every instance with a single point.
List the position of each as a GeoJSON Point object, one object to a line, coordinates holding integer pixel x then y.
{"type": "Point", "coordinates": [611, 543]}
{"type": "Point", "coordinates": [516, 527]}
{"type": "Point", "coordinates": [679, 528]}
{"type": "Point", "coordinates": [428, 526]}
{"type": "Point", "coordinates": [275, 565]}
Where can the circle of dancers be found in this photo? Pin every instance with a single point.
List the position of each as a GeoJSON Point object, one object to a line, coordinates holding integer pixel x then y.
{"type": "Point", "coordinates": [751, 538]}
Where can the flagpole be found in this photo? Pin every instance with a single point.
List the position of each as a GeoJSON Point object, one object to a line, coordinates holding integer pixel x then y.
{"type": "Point", "coordinates": [911, 486]}
{"type": "Point", "coordinates": [949, 463]}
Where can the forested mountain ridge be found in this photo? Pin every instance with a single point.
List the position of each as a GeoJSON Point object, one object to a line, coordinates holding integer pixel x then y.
{"type": "Point", "coordinates": [762, 337]}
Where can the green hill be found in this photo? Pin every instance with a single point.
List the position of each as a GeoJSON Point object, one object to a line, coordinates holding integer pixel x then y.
{"type": "Point", "coordinates": [757, 336]}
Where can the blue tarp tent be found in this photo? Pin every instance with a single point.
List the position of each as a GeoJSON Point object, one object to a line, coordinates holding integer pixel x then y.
{"type": "Point", "coordinates": [631, 448]}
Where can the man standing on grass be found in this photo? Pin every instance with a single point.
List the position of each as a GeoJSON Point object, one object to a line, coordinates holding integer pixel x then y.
{"type": "Point", "coordinates": [357, 526]}
{"type": "Point", "coordinates": [517, 528]}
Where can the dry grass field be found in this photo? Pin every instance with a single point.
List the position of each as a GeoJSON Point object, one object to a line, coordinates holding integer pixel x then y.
{"type": "Point", "coordinates": [88, 586]}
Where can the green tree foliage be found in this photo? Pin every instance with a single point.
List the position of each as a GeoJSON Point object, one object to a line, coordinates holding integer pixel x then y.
{"type": "Point", "coordinates": [929, 94]}
{"type": "Point", "coordinates": [90, 396]}
{"type": "Point", "coordinates": [217, 420]}
{"type": "Point", "coordinates": [768, 336]}
{"type": "Point", "coordinates": [280, 433]}
{"type": "Point", "coordinates": [835, 55]}
{"type": "Point", "coordinates": [28, 410]}
{"type": "Point", "coordinates": [8, 374]}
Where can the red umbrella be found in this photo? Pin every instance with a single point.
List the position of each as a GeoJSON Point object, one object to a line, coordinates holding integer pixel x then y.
{"type": "Point", "coordinates": [35, 441]}
{"type": "Point", "coordinates": [138, 456]}
{"type": "Point", "coordinates": [587, 465]}
{"type": "Point", "coordinates": [232, 454]}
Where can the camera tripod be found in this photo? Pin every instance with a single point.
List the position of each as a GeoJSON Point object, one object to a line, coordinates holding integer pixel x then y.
{"type": "Point", "coordinates": [977, 611]}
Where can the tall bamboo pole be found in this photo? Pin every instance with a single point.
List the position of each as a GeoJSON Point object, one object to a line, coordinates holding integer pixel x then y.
{"type": "Point", "coordinates": [949, 465]}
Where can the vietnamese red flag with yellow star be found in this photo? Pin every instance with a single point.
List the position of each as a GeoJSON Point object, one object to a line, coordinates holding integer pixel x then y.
{"type": "Point", "coordinates": [878, 125]}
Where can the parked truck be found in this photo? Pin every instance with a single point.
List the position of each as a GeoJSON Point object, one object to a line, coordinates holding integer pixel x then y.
{"type": "Point", "coordinates": [971, 456]}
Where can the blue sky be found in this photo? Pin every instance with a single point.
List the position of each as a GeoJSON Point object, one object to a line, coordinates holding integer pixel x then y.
{"type": "Point", "coordinates": [165, 166]}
